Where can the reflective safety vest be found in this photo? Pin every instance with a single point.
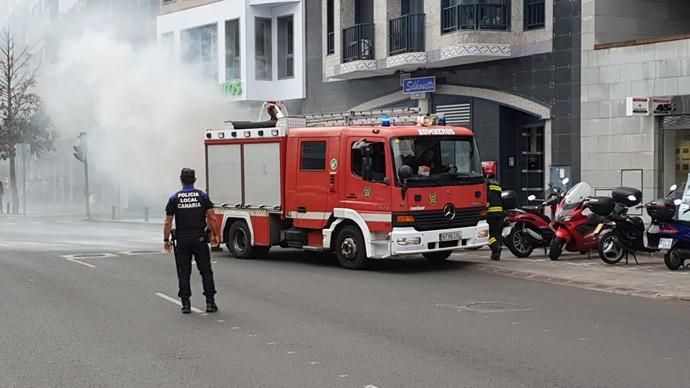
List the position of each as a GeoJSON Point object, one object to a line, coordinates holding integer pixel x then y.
{"type": "Point", "coordinates": [495, 204]}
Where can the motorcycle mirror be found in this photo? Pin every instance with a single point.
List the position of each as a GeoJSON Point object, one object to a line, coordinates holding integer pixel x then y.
{"type": "Point", "coordinates": [532, 197]}
{"type": "Point", "coordinates": [565, 181]}
{"type": "Point", "coordinates": [632, 198]}
{"type": "Point", "coordinates": [677, 202]}
{"type": "Point", "coordinates": [673, 187]}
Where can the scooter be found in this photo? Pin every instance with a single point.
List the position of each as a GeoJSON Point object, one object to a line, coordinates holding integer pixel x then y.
{"type": "Point", "coordinates": [674, 235]}
{"type": "Point", "coordinates": [573, 229]}
{"type": "Point", "coordinates": [620, 234]}
{"type": "Point", "coordinates": [529, 227]}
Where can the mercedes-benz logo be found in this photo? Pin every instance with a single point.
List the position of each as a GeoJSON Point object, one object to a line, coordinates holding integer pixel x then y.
{"type": "Point", "coordinates": [449, 212]}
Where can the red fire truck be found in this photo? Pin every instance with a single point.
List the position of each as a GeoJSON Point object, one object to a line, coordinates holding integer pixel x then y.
{"type": "Point", "coordinates": [365, 185]}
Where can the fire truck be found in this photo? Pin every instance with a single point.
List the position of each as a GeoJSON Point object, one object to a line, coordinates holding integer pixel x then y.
{"type": "Point", "coordinates": [365, 185]}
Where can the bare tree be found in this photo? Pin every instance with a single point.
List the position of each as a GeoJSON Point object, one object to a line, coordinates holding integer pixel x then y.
{"type": "Point", "coordinates": [22, 121]}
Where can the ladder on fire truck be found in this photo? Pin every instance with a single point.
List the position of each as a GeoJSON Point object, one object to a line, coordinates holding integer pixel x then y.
{"type": "Point", "coordinates": [369, 117]}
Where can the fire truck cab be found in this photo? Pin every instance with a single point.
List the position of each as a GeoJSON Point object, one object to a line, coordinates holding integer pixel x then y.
{"type": "Point", "coordinates": [359, 188]}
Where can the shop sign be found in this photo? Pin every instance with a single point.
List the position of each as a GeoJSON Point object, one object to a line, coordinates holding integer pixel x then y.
{"type": "Point", "coordinates": [419, 85]}
{"type": "Point", "coordinates": [232, 88]}
{"type": "Point", "coordinates": [637, 106]}
{"type": "Point", "coordinates": [662, 106]}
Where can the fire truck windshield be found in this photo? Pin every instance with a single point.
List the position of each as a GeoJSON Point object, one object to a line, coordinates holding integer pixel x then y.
{"type": "Point", "coordinates": [438, 160]}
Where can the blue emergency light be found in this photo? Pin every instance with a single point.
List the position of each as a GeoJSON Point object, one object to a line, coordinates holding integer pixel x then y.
{"type": "Point", "coordinates": [441, 119]}
{"type": "Point", "coordinates": [385, 121]}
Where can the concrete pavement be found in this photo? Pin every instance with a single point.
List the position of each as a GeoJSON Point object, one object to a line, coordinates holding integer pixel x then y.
{"type": "Point", "coordinates": [649, 279]}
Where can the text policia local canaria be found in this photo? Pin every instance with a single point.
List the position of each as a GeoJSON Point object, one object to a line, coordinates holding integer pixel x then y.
{"type": "Point", "coordinates": [188, 200]}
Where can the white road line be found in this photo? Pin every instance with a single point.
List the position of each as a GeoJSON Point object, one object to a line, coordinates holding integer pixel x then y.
{"type": "Point", "coordinates": [73, 260]}
{"type": "Point", "coordinates": [177, 302]}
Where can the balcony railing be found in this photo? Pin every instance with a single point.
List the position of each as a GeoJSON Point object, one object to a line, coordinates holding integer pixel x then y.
{"type": "Point", "coordinates": [358, 43]}
{"type": "Point", "coordinates": [471, 15]}
{"type": "Point", "coordinates": [406, 34]}
{"type": "Point", "coordinates": [534, 14]}
{"type": "Point", "coordinates": [330, 43]}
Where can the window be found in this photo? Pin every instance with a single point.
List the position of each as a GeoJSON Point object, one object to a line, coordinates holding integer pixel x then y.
{"type": "Point", "coordinates": [474, 15]}
{"type": "Point", "coordinates": [534, 14]}
{"type": "Point", "coordinates": [313, 156]}
{"type": "Point", "coordinates": [411, 7]}
{"type": "Point", "coordinates": [199, 48]}
{"type": "Point", "coordinates": [263, 49]}
{"type": "Point", "coordinates": [378, 162]}
{"type": "Point", "coordinates": [286, 47]}
{"type": "Point", "coordinates": [330, 27]}
{"type": "Point", "coordinates": [232, 50]}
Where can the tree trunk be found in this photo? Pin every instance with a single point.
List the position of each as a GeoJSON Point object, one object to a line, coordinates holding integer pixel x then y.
{"type": "Point", "coordinates": [13, 179]}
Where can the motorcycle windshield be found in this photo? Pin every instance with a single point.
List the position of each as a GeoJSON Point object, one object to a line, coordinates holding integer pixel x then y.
{"type": "Point", "coordinates": [576, 195]}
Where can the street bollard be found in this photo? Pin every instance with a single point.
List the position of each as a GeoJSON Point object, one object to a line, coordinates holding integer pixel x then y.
{"type": "Point", "coordinates": [146, 214]}
{"type": "Point", "coordinates": [114, 212]}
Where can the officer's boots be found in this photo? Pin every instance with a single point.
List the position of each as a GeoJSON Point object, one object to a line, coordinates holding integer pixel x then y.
{"type": "Point", "coordinates": [211, 306]}
{"type": "Point", "coordinates": [186, 306]}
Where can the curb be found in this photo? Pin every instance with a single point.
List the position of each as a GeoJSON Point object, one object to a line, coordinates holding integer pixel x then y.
{"type": "Point", "coordinates": [641, 293]}
{"type": "Point", "coordinates": [129, 222]}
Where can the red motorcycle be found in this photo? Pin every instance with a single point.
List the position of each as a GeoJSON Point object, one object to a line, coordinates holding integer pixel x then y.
{"type": "Point", "coordinates": [528, 227]}
{"type": "Point", "coordinates": [574, 229]}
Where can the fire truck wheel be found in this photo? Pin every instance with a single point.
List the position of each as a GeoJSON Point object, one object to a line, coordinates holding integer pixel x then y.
{"type": "Point", "coordinates": [350, 248]}
{"type": "Point", "coordinates": [438, 257]}
{"type": "Point", "coordinates": [239, 242]}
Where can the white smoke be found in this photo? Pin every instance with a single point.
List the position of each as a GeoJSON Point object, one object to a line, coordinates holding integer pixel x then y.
{"type": "Point", "coordinates": [145, 115]}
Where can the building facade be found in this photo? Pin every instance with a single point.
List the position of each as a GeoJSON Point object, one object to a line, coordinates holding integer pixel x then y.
{"type": "Point", "coordinates": [634, 52]}
{"type": "Point", "coordinates": [509, 70]}
{"type": "Point", "coordinates": [254, 49]}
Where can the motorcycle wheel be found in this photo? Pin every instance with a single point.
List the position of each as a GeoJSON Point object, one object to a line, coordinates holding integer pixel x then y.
{"type": "Point", "coordinates": [556, 248]}
{"type": "Point", "coordinates": [518, 244]}
{"type": "Point", "coordinates": [673, 260]}
{"type": "Point", "coordinates": [610, 251]}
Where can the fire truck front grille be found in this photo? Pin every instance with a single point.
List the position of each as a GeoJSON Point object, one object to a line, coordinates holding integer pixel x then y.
{"type": "Point", "coordinates": [432, 220]}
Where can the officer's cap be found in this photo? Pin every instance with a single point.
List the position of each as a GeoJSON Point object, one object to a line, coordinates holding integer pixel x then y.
{"type": "Point", "coordinates": [188, 174]}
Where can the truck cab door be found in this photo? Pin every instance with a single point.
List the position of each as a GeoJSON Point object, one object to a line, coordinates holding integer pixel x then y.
{"type": "Point", "coordinates": [366, 184]}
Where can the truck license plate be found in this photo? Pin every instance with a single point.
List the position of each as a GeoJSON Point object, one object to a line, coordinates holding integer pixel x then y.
{"type": "Point", "coordinates": [665, 243]}
{"type": "Point", "coordinates": [450, 236]}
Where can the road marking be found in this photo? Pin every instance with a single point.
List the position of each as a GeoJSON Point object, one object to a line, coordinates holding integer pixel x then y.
{"type": "Point", "coordinates": [252, 335]}
{"type": "Point", "coordinates": [291, 352]}
{"type": "Point", "coordinates": [343, 376]}
{"type": "Point", "coordinates": [272, 343]}
{"type": "Point", "coordinates": [221, 320]}
{"type": "Point", "coordinates": [177, 302]}
{"type": "Point", "coordinates": [73, 260]}
{"type": "Point", "coordinates": [370, 386]}
{"type": "Point", "coordinates": [313, 363]}
{"type": "Point", "coordinates": [235, 328]}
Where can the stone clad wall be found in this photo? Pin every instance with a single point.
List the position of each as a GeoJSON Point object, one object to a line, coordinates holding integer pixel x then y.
{"type": "Point", "coordinates": [611, 141]}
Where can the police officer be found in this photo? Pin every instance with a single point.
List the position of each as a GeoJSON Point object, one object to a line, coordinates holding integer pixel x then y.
{"type": "Point", "coordinates": [192, 210]}
{"type": "Point", "coordinates": [496, 215]}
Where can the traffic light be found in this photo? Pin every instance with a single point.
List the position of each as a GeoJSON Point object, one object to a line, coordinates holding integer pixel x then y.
{"type": "Point", "coordinates": [80, 149]}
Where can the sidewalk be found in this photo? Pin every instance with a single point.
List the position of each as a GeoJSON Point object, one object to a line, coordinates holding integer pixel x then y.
{"type": "Point", "coordinates": [649, 279]}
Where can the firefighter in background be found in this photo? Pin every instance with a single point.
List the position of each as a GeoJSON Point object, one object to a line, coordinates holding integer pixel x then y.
{"type": "Point", "coordinates": [495, 210]}
{"type": "Point", "coordinates": [192, 211]}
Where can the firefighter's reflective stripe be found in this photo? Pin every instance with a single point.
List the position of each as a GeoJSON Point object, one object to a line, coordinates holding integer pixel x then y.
{"type": "Point", "coordinates": [495, 209]}
{"type": "Point", "coordinates": [495, 188]}
{"type": "Point", "coordinates": [492, 240]}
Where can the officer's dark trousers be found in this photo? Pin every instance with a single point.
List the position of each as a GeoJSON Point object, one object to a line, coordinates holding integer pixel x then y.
{"type": "Point", "coordinates": [495, 234]}
{"type": "Point", "coordinates": [197, 248]}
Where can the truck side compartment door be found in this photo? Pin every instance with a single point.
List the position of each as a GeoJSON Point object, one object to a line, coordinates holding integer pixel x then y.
{"type": "Point", "coordinates": [311, 187]}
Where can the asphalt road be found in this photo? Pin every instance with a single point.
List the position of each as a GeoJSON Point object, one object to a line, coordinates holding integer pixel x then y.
{"type": "Point", "coordinates": [298, 320]}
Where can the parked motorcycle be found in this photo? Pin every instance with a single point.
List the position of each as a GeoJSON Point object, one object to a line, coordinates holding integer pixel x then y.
{"type": "Point", "coordinates": [529, 227]}
{"type": "Point", "coordinates": [574, 230]}
{"type": "Point", "coordinates": [620, 234]}
{"type": "Point", "coordinates": [674, 234]}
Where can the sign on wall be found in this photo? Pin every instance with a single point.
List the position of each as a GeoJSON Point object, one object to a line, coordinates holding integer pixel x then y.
{"type": "Point", "coordinates": [637, 106]}
{"type": "Point", "coordinates": [232, 88]}
{"type": "Point", "coordinates": [419, 85]}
